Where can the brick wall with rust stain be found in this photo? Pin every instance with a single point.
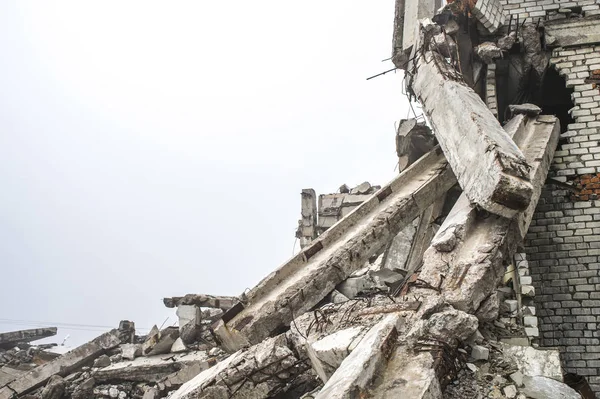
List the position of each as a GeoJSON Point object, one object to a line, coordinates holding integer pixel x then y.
{"type": "Point", "coordinates": [563, 242]}
{"type": "Point", "coordinates": [587, 187]}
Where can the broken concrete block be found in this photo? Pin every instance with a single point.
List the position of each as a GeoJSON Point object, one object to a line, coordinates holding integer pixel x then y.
{"type": "Point", "coordinates": [398, 250]}
{"type": "Point", "coordinates": [245, 374]}
{"type": "Point", "coordinates": [479, 352]}
{"type": "Point", "coordinates": [488, 52]}
{"type": "Point", "coordinates": [512, 305]}
{"type": "Point", "coordinates": [358, 370]}
{"type": "Point", "coordinates": [328, 353]}
{"type": "Point", "coordinates": [447, 326]}
{"type": "Point", "coordinates": [102, 361]}
{"type": "Point", "coordinates": [131, 351]}
{"type": "Point", "coordinates": [475, 338]}
{"type": "Point", "coordinates": [338, 297]}
{"type": "Point", "coordinates": [517, 378]}
{"type": "Point", "coordinates": [490, 168]}
{"type": "Point", "coordinates": [413, 140]}
{"type": "Point", "coordinates": [188, 314]}
{"type": "Point", "coordinates": [510, 391]}
{"type": "Point", "coordinates": [362, 188]}
{"type": "Point", "coordinates": [534, 362]}
{"type": "Point", "coordinates": [408, 375]}
{"type": "Point", "coordinates": [539, 387]}
{"type": "Point", "coordinates": [55, 389]}
{"type": "Point", "coordinates": [178, 346]}
{"type": "Point", "coordinates": [489, 308]}
{"type": "Point", "coordinates": [161, 342]}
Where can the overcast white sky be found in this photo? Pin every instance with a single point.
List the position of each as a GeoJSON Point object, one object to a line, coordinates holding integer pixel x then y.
{"type": "Point", "coordinates": [152, 149]}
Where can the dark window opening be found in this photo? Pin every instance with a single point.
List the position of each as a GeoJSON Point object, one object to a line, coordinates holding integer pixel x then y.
{"type": "Point", "coordinates": [554, 98]}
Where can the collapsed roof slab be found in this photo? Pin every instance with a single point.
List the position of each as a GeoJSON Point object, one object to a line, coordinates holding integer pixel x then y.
{"type": "Point", "coordinates": [489, 166]}
{"type": "Point", "coordinates": [467, 256]}
{"type": "Point", "coordinates": [311, 275]}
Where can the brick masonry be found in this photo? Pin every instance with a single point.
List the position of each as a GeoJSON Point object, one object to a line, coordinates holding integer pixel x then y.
{"type": "Point", "coordinates": [536, 9]}
{"type": "Point", "coordinates": [563, 242]}
{"type": "Point", "coordinates": [490, 89]}
{"type": "Point", "coordinates": [490, 13]}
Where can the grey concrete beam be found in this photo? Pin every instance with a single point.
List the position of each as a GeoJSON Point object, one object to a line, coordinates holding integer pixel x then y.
{"type": "Point", "coordinates": [204, 301]}
{"type": "Point", "coordinates": [311, 275]}
{"type": "Point", "coordinates": [15, 337]}
{"type": "Point", "coordinates": [61, 366]}
{"type": "Point", "coordinates": [466, 257]}
{"type": "Point", "coordinates": [573, 32]}
{"type": "Point", "coordinates": [489, 167]}
{"type": "Point", "coordinates": [153, 368]}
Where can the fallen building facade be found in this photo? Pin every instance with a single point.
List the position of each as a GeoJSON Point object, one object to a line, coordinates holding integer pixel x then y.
{"type": "Point", "coordinates": [472, 274]}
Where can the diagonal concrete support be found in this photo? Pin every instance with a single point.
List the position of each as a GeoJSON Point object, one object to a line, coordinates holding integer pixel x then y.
{"type": "Point", "coordinates": [489, 167]}
{"type": "Point", "coordinates": [311, 275]}
{"type": "Point", "coordinates": [466, 258]}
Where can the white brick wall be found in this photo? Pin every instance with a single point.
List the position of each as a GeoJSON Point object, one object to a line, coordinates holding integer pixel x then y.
{"type": "Point", "coordinates": [535, 9]}
{"type": "Point", "coordinates": [490, 13]}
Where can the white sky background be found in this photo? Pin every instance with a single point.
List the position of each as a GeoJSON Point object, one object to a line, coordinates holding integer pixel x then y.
{"type": "Point", "coordinates": [152, 149]}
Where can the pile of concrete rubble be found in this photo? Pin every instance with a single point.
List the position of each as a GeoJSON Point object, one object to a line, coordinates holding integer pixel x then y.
{"type": "Point", "coordinates": [417, 289]}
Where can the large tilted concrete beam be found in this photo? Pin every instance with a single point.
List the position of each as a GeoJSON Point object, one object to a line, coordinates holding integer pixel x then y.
{"type": "Point", "coordinates": [467, 256]}
{"type": "Point", "coordinates": [61, 366]}
{"type": "Point", "coordinates": [311, 275]}
{"type": "Point", "coordinates": [489, 167]}
{"type": "Point", "coordinates": [14, 337]}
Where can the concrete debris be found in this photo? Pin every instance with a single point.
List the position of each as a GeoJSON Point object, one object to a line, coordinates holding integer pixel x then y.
{"type": "Point", "coordinates": [258, 372]}
{"type": "Point", "coordinates": [311, 275]}
{"type": "Point", "coordinates": [159, 342]}
{"type": "Point", "coordinates": [413, 140]}
{"type": "Point", "coordinates": [417, 289]}
{"type": "Point", "coordinates": [488, 52]}
{"type": "Point", "coordinates": [358, 370]}
{"type": "Point", "coordinates": [533, 362]}
{"type": "Point", "coordinates": [204, 301]}
{"type": "Point", "coordinates": [546, 388]}
{"type": "Point", "coordinates": [328, 353]}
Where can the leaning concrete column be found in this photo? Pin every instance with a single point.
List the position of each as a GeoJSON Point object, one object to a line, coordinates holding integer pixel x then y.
{"type": "Point", "coordinates": [489, 166]}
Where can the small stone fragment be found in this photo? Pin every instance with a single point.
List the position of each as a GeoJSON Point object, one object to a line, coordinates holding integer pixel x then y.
{"type": "Point", "coordinates": [510, 391]}
{"type": "Point", "coordinates": [479, 352]}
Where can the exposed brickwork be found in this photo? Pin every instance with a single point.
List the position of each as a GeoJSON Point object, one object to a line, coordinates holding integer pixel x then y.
{"type": "Point", "coordinates": [563, 242]}
{"type": "Point", "coordinates": [490, 13]}
{"type": "Point", "coordinates": [588, 188]}
{"type": "Point", "coordinates": [490, 89]}
{"type": "Point", "coordinates": [536, 9]}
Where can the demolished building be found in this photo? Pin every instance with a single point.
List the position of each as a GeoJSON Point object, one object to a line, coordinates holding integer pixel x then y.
{"type": "Point", "coordinates": [474, 273]}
